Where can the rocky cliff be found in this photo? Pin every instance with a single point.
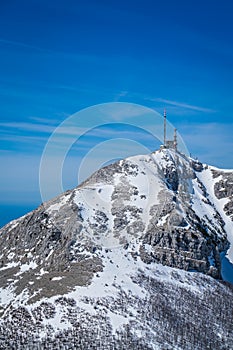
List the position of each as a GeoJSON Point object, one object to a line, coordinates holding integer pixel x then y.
{"type": "Point", "coordinates": [122, 259]}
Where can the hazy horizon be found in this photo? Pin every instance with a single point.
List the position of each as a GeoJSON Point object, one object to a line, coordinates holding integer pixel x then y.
{"type": "Point", "coordinates": [60, 57]}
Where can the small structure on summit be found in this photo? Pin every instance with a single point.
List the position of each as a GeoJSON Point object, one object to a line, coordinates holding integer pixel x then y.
{"type": "Point", "coordinates": [168, 143]}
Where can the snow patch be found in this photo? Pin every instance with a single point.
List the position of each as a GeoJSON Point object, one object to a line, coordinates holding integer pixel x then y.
{"type": "Point", "coordinates": [117, 321]}
{"type": "Point", "coordinates": [6, 296]}
{"type": "Point", "coordinates": [58, 205]}
{"type": "Point", "coordinates": [10, 265]}
{"type": "Point", "coordinates": [26, 267]}
{"type": "Point", "coordinates": [57, 278]}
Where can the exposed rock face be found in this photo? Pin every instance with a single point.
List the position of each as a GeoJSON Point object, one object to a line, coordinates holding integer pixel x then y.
{"type": "Point", "coordinates": [79, 256]}
{"type": "Point", "coordinates": [224, 189]}
{"type": "Point", "coordinates": [179, 310]}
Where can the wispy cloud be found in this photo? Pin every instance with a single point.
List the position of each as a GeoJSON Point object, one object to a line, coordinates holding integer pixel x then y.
{"type": "Point", "coordinates": [42, 128]}
{"type": "Point", "coordinates": [120, 95]}
{"type": "Point", "coordinates": [164, 101]}
{"type": "Point", "coordinates": [47, 120]}
{"type": "Point", "coordinates": [27, 46]}
{"type": "Point", "coordinates": [121, 111]}
{"type": "Point", "coordinates": [57, 53]}
{"type": "Point", "coordinates": [184, 105]}
{"type": "Point", "coordinates": [24, 139]}
{"type": "Point", "coordinates": [65, 136]}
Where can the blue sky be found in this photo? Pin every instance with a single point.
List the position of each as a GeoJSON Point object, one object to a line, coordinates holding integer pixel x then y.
{"type": "Point", "coordinates": [58, 57]}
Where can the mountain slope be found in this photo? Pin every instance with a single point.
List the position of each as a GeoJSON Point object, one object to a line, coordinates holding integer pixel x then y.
{"type": "Point", "coordinates": [122, 250]}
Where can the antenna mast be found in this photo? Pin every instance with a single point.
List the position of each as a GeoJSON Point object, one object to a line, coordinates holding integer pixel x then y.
{"type": "Point", "coordinates": [175, 139]}
{"type": "Point", "coordinates": [165, 127]}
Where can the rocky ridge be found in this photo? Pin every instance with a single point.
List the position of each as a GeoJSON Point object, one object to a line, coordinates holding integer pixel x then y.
{"type": "Point", "coordinates": [143, 226]}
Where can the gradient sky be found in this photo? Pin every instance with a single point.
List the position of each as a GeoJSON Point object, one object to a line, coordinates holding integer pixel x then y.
{"type": "Point", "coordinates": [58, 57]}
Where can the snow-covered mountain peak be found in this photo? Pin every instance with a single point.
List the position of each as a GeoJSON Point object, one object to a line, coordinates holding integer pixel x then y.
{"type": "Point", "coordinates": [143, 223]}
{"type": "Point", "coordinates": [163, 199]}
